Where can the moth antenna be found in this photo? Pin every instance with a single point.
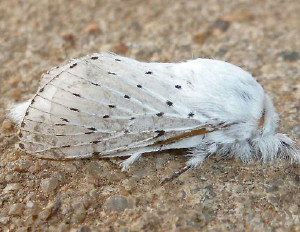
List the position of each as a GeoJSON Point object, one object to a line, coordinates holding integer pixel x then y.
{"type": "Point", "coordinates": [175, 175]}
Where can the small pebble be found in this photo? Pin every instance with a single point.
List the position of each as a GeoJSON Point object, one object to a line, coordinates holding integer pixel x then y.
{"type": "Point", "coordinates": [15, 94]}
{"type": "Point", "coordinates": [121, 48]}
{"type": "Point", "coordinates": [94, 170]}
{"type": "Point", "coordinates": [4, 220]}
{"type": "Point", "coordinates": [14, 82]}
{"type": "Point", "coordinates": [33, 208]}
{"type": "Point", "coordinates": [6, 125]}
{"type": "Point", "coordinates": [11, 178]}
{"type": "Point", "coordinates": [77, 204]}
{"type": "Point", "coordinates": [50, 209]}
{"type": "Point", "coordinates": [290, 55]}
{"type": "Point", "coordinates": [239, 16]}
{"type": "Point", "coordinates": [79, 216]}
{"type": "Point", "coordinates": [16, 209]}
{"type": "Point", "coordinates": [70, 38]}
{"type": "Point", "coordinates": [63, 227]}
{"type": "Point", "coordinates": [272, 188]}
{"type": "Point", "coordinates": [220, 26]}
{"type": "Point", "coordinates": [92, 28]}
{"type": "Point", "coordinates": [45, 214]}
{"type": "Point", "coordinates": [36, 167]}
{"type": "Point", "coordinates": [201, 37]}
{"type": "Point", "coordinates": [49, 185]}
{"type": "Point", "coordinates": [267, 69]}
{"type": "Point", "coordinates": [23, 165]}
{"type": "Point", "coordinates": [84, 229]}
{"type": "Point", "coordinates": [296, 131]}
{"type": "Point", "coordinates": [12, 187]}
{"type": "Point", "coordinates": [22, 229]}
{"type": "Point", "coordinates": [70, 168]}
{"type": "Point", "coordinates": [79, 211]}
{"type": "Point", "coordinates": [118, 203]}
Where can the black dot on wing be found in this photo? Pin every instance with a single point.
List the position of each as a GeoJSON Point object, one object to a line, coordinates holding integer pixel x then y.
{"type": "Point", "coordinates": [60, 124]}
{"type": "Point", "coordinates": [126, 131]}
{"type": "Point", "coordinates": [169, 103]}
{"type": "Point", "coordinates": [41, 90]}
{"type": "Point", "coordinates": [139, 86]}
{"type": "Point", "coordinates": [178, 86]}
{"type": "Point", "coordinates": [76, 95]}
{"type": "Point", "coordinates": [117, 60]}
{"type": "Point", "coordinates": [32, 101]}
{"type": "Point", "coordinates": [94, 57]}
{"type": "Point", "coordinates": [159, 133]}
{"type": "Point", "coordinates": [65, 146]}
{"type": "Point", "coordinates": [88, 133]}
{"type": "Point", "coordinates": [20, 135]}
{"type": "Point", "coordinates": [26, 113]}
{"type": "Point", "coordinates": [73, 65]}
{"type": "Point", "coordinates": [148, 72]}
{"type": "Point", "coordinates": [191, 114]}
{"type": "Point", "coordinates": [132, 118]}
{"type": "Point", "coordinates": [65, 120]}
{"type": "Point", "coordinates": [111, 106]}
{"type": "Point", "coordinates": [95, 142]}
{"type": "Point", "coordinates": [23, 124]}
{"type": "Point", "coordinates": [74, 109]}
{"type": "Point", "coordinates": [126, 96]}
{"type": "Point", "coordinates": [106, 116]}
{"type": "Point", "coordinates": [96, 153]}
{"type": "Point", "coordinates": [160, 114]}
{"type": "Point", "coordinates": [93, 83]}
{"type": "Point", "coordinates": [92, 128]}
{"type": "Point", "coordinates": [111, 73]}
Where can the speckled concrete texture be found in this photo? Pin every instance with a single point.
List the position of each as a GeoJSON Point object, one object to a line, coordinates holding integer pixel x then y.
{"type": "Point", "coordinates": [262, 37]}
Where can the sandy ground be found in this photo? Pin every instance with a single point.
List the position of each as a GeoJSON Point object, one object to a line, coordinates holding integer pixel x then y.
{"type": "Point", "coordinates": [94, 195]}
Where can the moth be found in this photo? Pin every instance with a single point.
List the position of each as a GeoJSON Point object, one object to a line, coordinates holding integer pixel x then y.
{"type": "Point", "coordinates": [110, 106]}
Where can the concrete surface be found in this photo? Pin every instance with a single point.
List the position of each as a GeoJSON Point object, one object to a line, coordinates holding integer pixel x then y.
{"type": "Point", "coordinates": [94, 195]}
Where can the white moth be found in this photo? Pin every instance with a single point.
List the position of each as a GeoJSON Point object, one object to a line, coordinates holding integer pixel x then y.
{"type": "Point", "coordinates": [112, 106]}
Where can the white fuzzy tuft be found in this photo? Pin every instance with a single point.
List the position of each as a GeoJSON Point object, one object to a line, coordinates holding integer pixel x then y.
{"type": "Point", "coordinates": [288, 149]}
{"type": "Point", "coordinates": [17, 112]}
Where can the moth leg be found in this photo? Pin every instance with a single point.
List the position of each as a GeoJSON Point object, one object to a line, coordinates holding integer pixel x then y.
{"type": "Point", "coordinates": [126, 163]}
{"type": "Point", "coordinates": [174, 175]}
{"type": "Point", "coordinates": [198, 154]}
{"type": "Point", "coordinates": [196, 158]}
